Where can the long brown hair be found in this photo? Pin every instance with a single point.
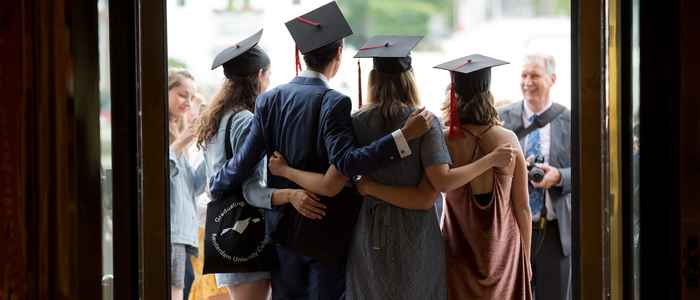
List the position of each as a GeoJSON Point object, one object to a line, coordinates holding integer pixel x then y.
{"type": "Point", "coordinates": [388, 92]}
{"type": "Point", "coordinates": [237, 93]}
{"type": "Point", "coordinates": [175, 78]}
{"type": "Point", "coordinates": [478, 110]}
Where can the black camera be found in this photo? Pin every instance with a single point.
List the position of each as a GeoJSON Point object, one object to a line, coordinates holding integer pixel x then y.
{"type": "Point", "coordinates": [535, 173]}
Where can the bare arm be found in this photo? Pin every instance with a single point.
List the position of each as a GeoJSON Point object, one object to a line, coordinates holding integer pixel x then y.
{"type": "Point", "coordinates": [520, 201]}
{"type": "Point", "coordinates": [422, 196]}
{"type": "Point", "coordinates": [182, 141]}
{"type": "Point", "coordinates": [339, 138]}
{"type": "Point", "coordinates": [258, 194]}
{"type": "Point", "coordinates": [304, 202]}
{"type": "Point", "coordinates": [328, 184]}
{"type": "Point", "coordinates": [445, 179]}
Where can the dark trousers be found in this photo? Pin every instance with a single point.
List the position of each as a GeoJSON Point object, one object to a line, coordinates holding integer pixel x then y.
{"type": "Point", "coordinates": [303, 278]}
{"type": "Point", "coordinates": [551, 270]}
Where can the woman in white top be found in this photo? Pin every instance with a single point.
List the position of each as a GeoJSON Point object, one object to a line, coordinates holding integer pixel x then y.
{"type": "Point", "coordinates": [247, 71]}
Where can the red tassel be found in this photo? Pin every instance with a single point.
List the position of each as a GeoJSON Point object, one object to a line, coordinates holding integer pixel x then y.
{"type": "Point", "coordinates": [455, 126]}
{"type": "Point", "coordinates": [359, 85]}
{"type": "Point", "coordinates": [375, 46]}
{"type": "Point", "coordinates": [297, 63]}
{"type": "Point", "coordinates": [307, 21]}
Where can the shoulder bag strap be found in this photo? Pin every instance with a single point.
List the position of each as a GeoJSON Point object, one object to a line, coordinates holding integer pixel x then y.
{"type": "Point", "coordinates": [227, 139]}
{"type": "Point", "coordinates": [541, 121]}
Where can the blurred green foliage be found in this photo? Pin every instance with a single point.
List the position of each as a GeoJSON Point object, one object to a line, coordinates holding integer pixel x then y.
{"type": "Point", "coordinates": [175, 63]}
{"type": "Point", "coordinates": [368, 18]}
{"type": "Point", "coordinates": [562, 7]}
{"type": "Point", "coordinates": [552, 7]}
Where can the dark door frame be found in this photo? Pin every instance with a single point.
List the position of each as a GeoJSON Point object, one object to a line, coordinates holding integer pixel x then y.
{"type": "Point", "coordinates": [139, 112]}
{"type": "Point", "coordinates": [139, 64]}
{"type": "Point", "coordinates": [85, 53]}
{"type": "Point", "coordinates": [627, 131]}
{"type": "Point", "coordinates": [125, 158]}
{"type": "Point", "coordinates": [660, 86]}
{"type": "Point", "coordinates": [139, 138]}
{"type": "Point", "coordinates": [155, 218]}
{"type": "Point", "coordinates": [659, 42]}
{"type": "Point", "coordinates": [588, 107]}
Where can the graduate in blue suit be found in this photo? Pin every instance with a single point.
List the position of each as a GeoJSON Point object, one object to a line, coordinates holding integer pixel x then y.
{"type": "Point", "coordinates": [311, 124]}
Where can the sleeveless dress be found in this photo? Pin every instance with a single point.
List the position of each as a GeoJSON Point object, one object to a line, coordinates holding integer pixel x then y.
{"type": "Point", "coordinates": [485, 257]}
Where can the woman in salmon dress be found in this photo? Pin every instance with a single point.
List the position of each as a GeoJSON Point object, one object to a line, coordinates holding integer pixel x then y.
{"type": "Point", "coordinates": [486, 225]}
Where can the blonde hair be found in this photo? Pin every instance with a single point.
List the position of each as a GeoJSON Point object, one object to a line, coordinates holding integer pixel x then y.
{"type": "Point", "coordinates": [175, 78]}
{"type": "Point", "coordinates": [388, 92]}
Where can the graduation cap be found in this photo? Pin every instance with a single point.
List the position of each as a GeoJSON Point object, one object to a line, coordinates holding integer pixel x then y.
{"type": "Point", "coordinates": [470, 75]}
{"type": "Point", "coordinates": [390, 53]}
{"type": "Point", "coordinates": [317, 28]}
{"type": "Point", "coordinates": [242, 59]}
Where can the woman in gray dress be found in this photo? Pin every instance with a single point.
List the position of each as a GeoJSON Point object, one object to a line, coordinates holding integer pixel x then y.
{"type": "Point", "coordinates": [397, 250]}
{"type": "Point", "coordinates": [247, 70]}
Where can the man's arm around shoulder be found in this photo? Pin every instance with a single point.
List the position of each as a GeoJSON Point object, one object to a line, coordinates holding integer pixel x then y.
{"type": "Point", "coordinates": [343, 151]}
{"type": "Point", "coordinates": [241, 166]}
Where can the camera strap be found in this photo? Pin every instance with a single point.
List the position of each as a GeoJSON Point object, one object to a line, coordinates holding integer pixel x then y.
{"type": "Point", "coordinates": [541, 120]}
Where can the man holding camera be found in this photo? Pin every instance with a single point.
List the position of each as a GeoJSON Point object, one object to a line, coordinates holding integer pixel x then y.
{"type": "Point", "coordinates": [543, 129]}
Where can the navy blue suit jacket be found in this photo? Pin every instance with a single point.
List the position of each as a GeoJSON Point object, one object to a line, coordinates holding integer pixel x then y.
{"type": "Point", "coordinates": [309, 131]}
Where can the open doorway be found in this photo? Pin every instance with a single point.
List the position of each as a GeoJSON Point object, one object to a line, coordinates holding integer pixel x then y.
{"type": "Point", "coordinates": [655, 103]}
{"type": "Point", "coordinates": [507, 30]}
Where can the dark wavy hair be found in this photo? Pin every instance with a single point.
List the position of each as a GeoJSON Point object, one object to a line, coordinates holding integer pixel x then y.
{"type": "Point", "coordinates": [477, 110]}
{"type": "Point", "coordinates": [237, 93]}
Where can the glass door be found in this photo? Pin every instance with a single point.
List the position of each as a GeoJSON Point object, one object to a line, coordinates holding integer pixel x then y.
{"type": "Point", "coordinates": [106, 150]}
{"type": "Point", "coordinates": [630, 96]}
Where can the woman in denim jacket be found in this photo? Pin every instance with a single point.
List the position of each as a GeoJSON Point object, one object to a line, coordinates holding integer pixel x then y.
{"type": "Point", "coordinates": [186, 182]}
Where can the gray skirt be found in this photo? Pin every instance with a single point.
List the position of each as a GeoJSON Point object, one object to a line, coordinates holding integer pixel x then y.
{"type": "Point", "coordinates": [396, 253]}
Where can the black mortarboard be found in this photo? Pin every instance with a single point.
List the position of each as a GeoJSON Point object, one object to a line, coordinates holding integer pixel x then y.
{"type": "Point", "coordinates": [470, 75]}
{"type": "Point", "coordinates": [319, 27]}
{"type": "Point", "coordinates": [242, 59]}
{"type": "Point", "coordinates": [390, 52]}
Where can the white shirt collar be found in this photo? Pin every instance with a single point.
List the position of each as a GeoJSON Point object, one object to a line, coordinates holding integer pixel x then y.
{"type": "Point", "coordinates": [313, 74]}
{"type": "Point", "coordinates": [529, 113]}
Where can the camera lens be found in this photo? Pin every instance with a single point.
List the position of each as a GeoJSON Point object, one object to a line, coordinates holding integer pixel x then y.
{"type": "Point", "coordinates": [536, 174]}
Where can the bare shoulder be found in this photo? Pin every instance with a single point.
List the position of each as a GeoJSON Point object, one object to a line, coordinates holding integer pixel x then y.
{"type": "Point", "coordinates": [503, 134]}
{"type": "Point", "coordinates": [499, 135]}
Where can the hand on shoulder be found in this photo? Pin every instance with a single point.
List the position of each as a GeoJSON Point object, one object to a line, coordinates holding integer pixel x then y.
{"type": "Point", "coordinates": [506, 135]}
